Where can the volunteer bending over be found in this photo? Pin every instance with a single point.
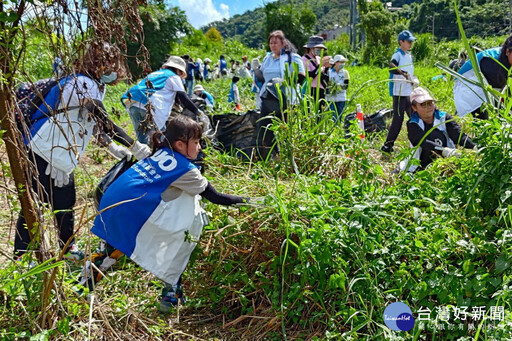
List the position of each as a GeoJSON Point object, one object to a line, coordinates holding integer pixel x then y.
{"type": "Point", "coordinates": [442, 139]}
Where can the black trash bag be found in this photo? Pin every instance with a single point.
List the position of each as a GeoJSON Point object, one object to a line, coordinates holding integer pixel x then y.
{"type": "Point", "coordinates": [373, 123]}
{"type": "Point", "coordinates": [271, 90]}
{"type": "Point", "coordinates": [236, 133]}
{"type": "Point", "coordinates": [119, 168]}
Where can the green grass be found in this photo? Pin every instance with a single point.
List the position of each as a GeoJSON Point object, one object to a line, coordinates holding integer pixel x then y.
{"type": "Point", "coordinates": [339, 239]}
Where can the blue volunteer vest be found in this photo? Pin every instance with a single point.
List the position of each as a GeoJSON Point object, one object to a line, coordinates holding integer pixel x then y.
{"type": "Point", "coordinates": [51, 102]}
{"type": "Point", "coordinates": [231, 94]}
{"type": "Point", "coordinates": [439, 123]}
{"type": "Point", "coordinates": [141, 93]}
{"type": "Point", "coordinates": [492, 53]}
{"type": "Point", "coordinates": [143, 184]}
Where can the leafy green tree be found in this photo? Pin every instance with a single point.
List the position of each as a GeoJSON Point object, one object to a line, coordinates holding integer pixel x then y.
{"type": "Point", "coordinates": [162, 29]}
{"type": "Point", "coordinates": [213, 35]}
{"type": "Point", "coordinates": [296, 25]}
{"type": "Point", "coordinates": [377, 25]}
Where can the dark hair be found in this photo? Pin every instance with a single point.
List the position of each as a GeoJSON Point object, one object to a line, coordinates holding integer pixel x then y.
{"type": "Point", "coordinates": [235, 79]}
{"type": "Point", "coordinates": [221, 56]}
{"type": "Point", "coordinates": [507, 46]}
{"type": "Point", "coordinates": [98, 57]}
{"type": "Point", "coordinates": [179, 128]}
{"type": "Point", "coordinates": [288, 46]}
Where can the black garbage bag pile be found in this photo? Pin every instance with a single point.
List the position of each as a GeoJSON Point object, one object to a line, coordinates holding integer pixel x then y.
{"type": "Point", "coordinates": [236, 133]}
{"type": "Point", "coordinates": [373, 123]}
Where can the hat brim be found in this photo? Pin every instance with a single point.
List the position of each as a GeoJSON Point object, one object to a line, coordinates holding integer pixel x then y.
{"type": "Point", "coordinates": [307, 46]}
{"type": "Point", "coordinates": [177, 66]}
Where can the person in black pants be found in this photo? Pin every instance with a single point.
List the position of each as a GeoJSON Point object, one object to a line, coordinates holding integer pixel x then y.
{"type": "Point", "coordinates": [55, 145]}
{"type": "Point", "coordinates": [441, 141]}
{"type": "Point", "coordinates": [402, 79]}
{"type": "Point", "coordinates": [273, 67]}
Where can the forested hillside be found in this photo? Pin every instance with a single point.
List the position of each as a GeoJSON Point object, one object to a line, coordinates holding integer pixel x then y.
{"type": "Point", "coordinates": [250, 26]}
{"type": "Point", "coordinates": [480, 17]}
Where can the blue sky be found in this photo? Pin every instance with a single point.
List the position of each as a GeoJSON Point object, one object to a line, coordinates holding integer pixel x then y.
{"type": "Point", "coordinates": [202, 12]}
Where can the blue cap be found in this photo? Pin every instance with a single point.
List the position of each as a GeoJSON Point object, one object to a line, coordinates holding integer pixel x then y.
{"type": "Point", "coordinates": [406, 35]}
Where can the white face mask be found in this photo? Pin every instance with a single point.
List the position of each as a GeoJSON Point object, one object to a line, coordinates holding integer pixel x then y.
{"type": "Point", "coordinates": [110, 78]}
{"type": "Point", "coordinates": [318, 51]}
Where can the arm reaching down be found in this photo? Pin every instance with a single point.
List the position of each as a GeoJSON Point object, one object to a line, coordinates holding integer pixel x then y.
{"type": "Point", "coordinates": [211, 194]}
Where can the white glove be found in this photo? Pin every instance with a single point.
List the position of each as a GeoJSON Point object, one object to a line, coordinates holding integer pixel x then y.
{"type": "Point", "coordinates": [119, 151]}
{"type": "Point", "coordinates": [140, 150]}
{"type": "Point", "coordinates": [60, 178]}
{"type": "Point", "coordinates": [415, 82]}
{"type": "Point", "coordinates": [449, 152]}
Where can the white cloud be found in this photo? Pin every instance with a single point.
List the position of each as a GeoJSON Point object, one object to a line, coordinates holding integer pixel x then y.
{"type": "Point", "coordinates": [202, 12]}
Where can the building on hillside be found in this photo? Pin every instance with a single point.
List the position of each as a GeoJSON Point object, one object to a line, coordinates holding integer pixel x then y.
{"type": "Point", "coordinates": [389, 7]}
{"type": "Point", "coordinates": [335, 32]}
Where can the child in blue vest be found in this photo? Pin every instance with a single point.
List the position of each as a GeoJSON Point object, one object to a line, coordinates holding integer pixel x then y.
{"type": "Point", "coordinates": [234, 93]}
{"type": "Point", "coordinates": [152, 212]}
{"type": "Point", "coordinates": [400, 87]}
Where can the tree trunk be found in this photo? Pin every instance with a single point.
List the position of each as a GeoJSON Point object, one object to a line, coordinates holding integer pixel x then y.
{"type": "Point", "coordinates": [16, 151]}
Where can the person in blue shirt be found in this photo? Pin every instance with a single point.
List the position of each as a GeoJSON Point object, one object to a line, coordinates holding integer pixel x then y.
{"type": "Point", "coordinates": [283, 56]}
{"type": "Point", "coordinates": [257, 80]}
{"type": "Point", "coordinates": [189, 79]}
{"type": "Point", "coordinates": [207, 69]}
{"type": "Point", "coordinates": [154, 214]}
{"type": "Point", "coordinates": [234, 93]}
{"type": "Point", "coordinates": [223, 66]}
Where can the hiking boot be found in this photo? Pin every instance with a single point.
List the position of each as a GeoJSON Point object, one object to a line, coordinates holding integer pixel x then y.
{"type": "Point", "coordinates": [74, 254]}
{"type": "Point", "coordinates": [171, 297]}
{"type": "Point", "coordinates": [387, 149]}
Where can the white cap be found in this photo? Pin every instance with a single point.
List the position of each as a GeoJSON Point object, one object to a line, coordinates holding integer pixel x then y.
{"type": "Point", "coordinates": [339, 58]}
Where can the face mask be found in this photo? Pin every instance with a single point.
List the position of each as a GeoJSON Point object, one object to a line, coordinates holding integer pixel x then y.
{"type": "Point", "coordinates": [110, 78]}
{"type": "Point", "coordinates": [318, 52]}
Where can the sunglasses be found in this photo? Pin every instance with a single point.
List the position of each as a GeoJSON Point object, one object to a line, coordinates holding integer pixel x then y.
{"type": "Point", "coordinates": [427, 104]}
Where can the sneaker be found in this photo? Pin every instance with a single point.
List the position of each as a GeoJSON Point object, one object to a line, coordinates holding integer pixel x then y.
{"type": "Point", "coordinates": [26, 261]}
{"type": "Point", "coordinates": [74, 254]}
{"type": "Point", "coordinates": [171, 297]}
{"type": "Point", "coordinates": [387, 149]}
{"type": "Point", "coordinates": [102, 262]}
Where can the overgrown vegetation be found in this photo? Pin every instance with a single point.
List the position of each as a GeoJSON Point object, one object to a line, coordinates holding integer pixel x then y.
{"type": "Point", "coordinates": [339, 239]}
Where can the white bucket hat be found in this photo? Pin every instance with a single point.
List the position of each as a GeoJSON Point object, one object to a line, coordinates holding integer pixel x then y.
{"type": "Point", "coordinates": [177, 62]}
{"type": "Point", "coordinates": [339, 58]}
{"type": "Point", "coordinates": [198, 87]}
